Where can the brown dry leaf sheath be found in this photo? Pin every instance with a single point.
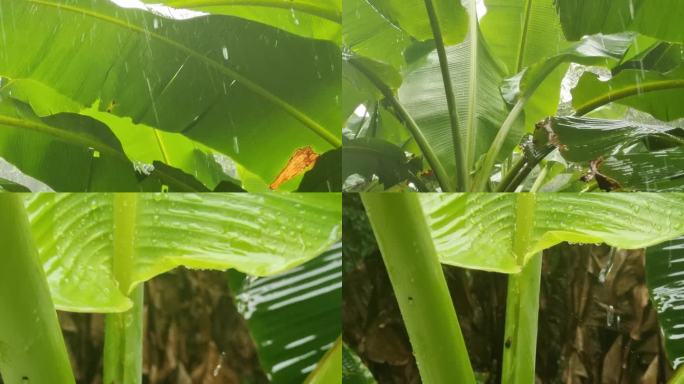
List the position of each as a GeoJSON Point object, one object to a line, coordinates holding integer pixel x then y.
{"type": "Point", "coordinates": [302, 160]}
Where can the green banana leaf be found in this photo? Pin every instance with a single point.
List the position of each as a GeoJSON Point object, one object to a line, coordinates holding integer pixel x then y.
{"type": "Point", "coordinates": [651, 81]}
{"type": "Point", "coordinates": [411, 16]}
{"type": "Point", "coordinates": [540, 82]}
{"type": "Point", "coordinates": [520, 44]}
{"type": "Point", "coordinates": [475, 78]}
{"type": "Point", "coordinates": [478, 230]}
{"type": "Point", "coordinates": [657, 171]}
{"type": "Point", "coordinates": [584, 139]}
{"type": "Point", "coordinates": [294, 317]}
{"type": "Point", "coordinates": [144, 144]}
{"type": "Point", "coordinates": [661, 95]}
{"type": "Point", "coordinates": [317, 19]}
{"type": "Point", "coordinates": [658, 19]}
{"type": "Point", "coordinates": [521, 33]}
{"type": "Point", "coordinates": [258, 234]}
{"type": "Point", "coordinates": [141, 143]}
{"type": "Point", "coordinates": [68, 152]}
{"type": "Point", "coordinates": [371, 157]}
{"type": "Point", "coordinates": [370, 34]}
{"type": "Point", "coordinates": [210, 78]}
{"type": "Point", "coordinates": [664, 271]}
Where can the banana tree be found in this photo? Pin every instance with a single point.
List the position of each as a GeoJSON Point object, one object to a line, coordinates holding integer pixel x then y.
{"type": "Point", "coordinates": [184, 95]}
{"type": "Point", "coordinates": [472, 94]}
{"type": "Point", "coordinates": [93, 253]}
{"type": "Point", "coordinates": [504, 233]}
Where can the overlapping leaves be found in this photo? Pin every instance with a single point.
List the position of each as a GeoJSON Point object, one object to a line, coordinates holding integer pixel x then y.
{"type": "Point", "coordinates": [209, 78]}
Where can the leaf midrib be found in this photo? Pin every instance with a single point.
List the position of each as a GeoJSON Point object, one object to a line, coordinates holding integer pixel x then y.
{"type": "Point", "coordinates": [310, 9]}
{"type": "Point", "coordinates": [471, 113]}
{"type": "Point", "coordinates": [523, 38]}
{"type": "Point", "coordinates": [627, 91]}
{"type": "Point", "coordinates": [61, 135]}
{"type": "Point", "coordinates": [246, 82]}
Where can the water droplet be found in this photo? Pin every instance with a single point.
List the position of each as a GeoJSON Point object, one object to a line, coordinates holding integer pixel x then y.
{"type": "Point", "coordinates": [236, 145]}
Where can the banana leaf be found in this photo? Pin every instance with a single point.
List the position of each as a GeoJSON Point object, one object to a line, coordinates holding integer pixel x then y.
{"type": "Point", "coordinates": [211, 78]}
{"type": "Point", "coordinates": [658, 19]}
{"type": "Point", "coordinates": [68, 152]}
{"type": "Point", "coordinates": [476, 230]}
{"type": "Point", "coordinates": [317, 19]}
{"type": "Point", "coordinates": [664, 271]}
{"type": "Point", "coordinates": [294, 317]}
{"type": "Point", "coordinates": [253, 233]}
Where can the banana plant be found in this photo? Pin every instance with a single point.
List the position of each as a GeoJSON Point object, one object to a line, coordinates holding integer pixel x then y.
{"type": "Point", "coordinates": [504, 233]}
{"type": "Point", "coordinates": [180, 83]}
{"type": "Point", "coordinates": [482, 111]}
{"type": "Point", "coordinates": [93, 253]}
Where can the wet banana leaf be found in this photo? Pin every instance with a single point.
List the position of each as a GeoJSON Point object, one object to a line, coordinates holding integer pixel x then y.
{"type": "Point", "coordinates": [369, 157]}
{"type": "Point", "coordinates": [659, 94]}
{"type": "Point", "coordinates": [294, 317]}
{"type": "Point", "coordinates": [411, 16]}
{"type": "Point", "coordinates": [657, 171]}
{"type": "Point", "coordinates": [141, 143]}
{"type": "Point", "coordinates": [540, 81]}
{"type": "Point", "coordinates": [652, 81]}
{"type": "Point", "coordinates": [370, 34]}
{"type": "Point", "coordinates": [478, 230]}
{"type": "Point", "coordinates": [147, 145]}
{"type": "Point", "coordinates": [653, 18]}
{"type": "Point", "coordinates": [211, 78]}
{"type": "Point", "coordinates": [68, 152]}
{"type": "Point", "coordinates": [475, 78]}
{"type": "Point", "coordinates": [96, 248]}
{"type": "Point", "coordinates": [584, 139]}
{"type": "Point", "coordinates": [318, 19]}
{"type": "Point", "coordinates": [520, 34]}
{"type": "Point", "coordinates": [664, 271]}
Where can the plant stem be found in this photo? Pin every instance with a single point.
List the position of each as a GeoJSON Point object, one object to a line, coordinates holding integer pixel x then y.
{"type": "Point", "coordinates": [410, 124]}
{"type": "Point", "coordinates": [488, 164]}
{"type": "Point", "coordinates": [461, 165]}
{"type": "Point", "coordinates": [511, 174]}
{"type": "Point", "coordinates": [32, 348]}
{"type": "Point", "coordinates": [522, 301]}
{"type": "Point", "coordinates": [490, 157]}
{"type": "Point", "coordinates": [123, 331]}
{"type": "Point", "coordinates": [420, 287]}
{"type": "Point", "coordinates": [540, 178]}
{"type": "Point", "coordinates": [522, 169]}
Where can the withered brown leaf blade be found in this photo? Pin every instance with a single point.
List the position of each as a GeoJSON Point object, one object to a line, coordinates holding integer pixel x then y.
{"type": "Point", "coordinates": [302, 160]}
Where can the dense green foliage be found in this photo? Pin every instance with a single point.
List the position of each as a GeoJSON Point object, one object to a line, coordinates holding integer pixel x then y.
{"type": "Point", "coordinates": [486, 111]}
{"type": "Point", "coordinates": [90, 89]}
